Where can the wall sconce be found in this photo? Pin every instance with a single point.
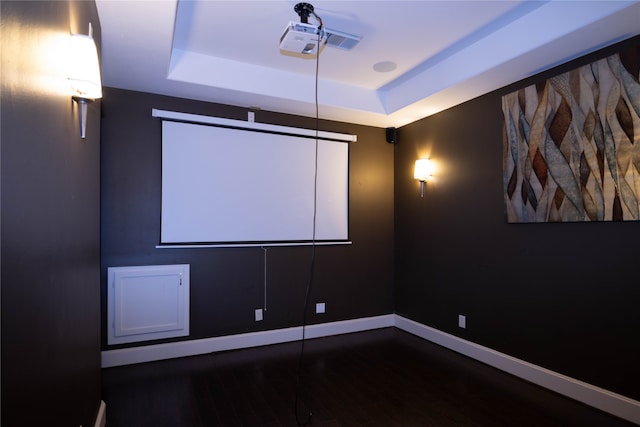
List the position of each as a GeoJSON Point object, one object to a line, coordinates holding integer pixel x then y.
{"type": "Point", "coordinates": [84, 74]}
{"type": "Point", "coordinates": [422, 171]}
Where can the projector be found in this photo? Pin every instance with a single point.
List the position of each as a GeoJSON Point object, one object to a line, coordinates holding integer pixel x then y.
{"type": "Point", "coordinates": [302, 38]}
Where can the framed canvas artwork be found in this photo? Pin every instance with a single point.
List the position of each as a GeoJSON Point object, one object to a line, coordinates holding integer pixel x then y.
{"type": "Point", "coordinates": [571, 145]}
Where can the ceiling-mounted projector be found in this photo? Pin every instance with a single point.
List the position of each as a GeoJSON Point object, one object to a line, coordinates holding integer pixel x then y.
{"type": "Point", "coordinates": [302, 37]}
{"type": "Point", "coordinates": [299, 37]}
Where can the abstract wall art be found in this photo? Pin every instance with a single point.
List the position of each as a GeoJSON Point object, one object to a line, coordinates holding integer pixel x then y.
{"type": "Point", "coordinates": [571, 144]}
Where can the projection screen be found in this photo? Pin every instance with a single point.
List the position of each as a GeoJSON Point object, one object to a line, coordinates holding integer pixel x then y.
{"type": "Point", "coordinates": [229, 185]}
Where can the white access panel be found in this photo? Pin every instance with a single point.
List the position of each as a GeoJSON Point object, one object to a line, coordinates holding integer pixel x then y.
{"type": "Point", "coordinates": [147, 303]}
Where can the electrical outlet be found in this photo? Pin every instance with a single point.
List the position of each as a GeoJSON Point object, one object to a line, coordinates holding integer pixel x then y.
{"type": "Point", "coordinates": [258, 314]}
{"type": "Point", "coordinates": [462, 321]}
{"type": "Point", "coordinates": [320, 307]}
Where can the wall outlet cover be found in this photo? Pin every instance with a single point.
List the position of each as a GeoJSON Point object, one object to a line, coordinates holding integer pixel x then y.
{"type": "Point", "coordinates": [462, 321]}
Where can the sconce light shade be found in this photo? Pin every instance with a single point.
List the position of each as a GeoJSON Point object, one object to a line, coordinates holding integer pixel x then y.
{"type": "Point", "coordinates": [84, 74]}
{"type": "Point", "coordinates": [422, 171]}
{"type": "Point", "coordinates": [84, 68]}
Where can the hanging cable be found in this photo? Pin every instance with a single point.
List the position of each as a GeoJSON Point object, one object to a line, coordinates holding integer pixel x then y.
{"type": "Point", "coordinates": [313, 234]}
{"type": "Point", "coordinates": [264, 307]}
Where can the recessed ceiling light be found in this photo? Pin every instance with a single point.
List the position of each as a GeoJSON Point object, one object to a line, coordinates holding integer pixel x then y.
{"type": "Point", "coordinates": [385, 66]}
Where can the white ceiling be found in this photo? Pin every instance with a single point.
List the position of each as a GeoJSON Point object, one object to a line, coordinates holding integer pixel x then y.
{"type": "Point", "coordinates": [446, 52]}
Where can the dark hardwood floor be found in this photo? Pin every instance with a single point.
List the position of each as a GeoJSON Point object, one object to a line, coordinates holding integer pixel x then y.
{"type": "Point", "coordinates": [384, 377]}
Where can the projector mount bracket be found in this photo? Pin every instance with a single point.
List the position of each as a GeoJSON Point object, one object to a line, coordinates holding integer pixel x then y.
{"type": "Point", "coordinates": [303, 10]}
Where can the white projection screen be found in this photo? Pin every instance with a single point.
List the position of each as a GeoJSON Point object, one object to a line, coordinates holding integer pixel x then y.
{"type": "Point", "coordinates": [225, 185]}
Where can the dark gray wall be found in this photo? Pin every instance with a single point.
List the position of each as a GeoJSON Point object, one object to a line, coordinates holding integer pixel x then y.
{"type": "Point", "coordinates": [562, 296]}
{"type": "Point", "coordinates": [50, 223]}
{"type": "Point", "coordinates": [227, 285]}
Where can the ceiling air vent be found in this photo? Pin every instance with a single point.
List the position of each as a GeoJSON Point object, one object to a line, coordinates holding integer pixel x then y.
{"type": "Point", "coordinates": [341, 40]}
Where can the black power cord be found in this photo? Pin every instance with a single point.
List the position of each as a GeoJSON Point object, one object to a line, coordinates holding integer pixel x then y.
{"type": "Point", "coordinates": [303, 9]}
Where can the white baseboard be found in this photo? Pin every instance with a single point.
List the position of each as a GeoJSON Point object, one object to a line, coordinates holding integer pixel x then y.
{"type": "Point", "coordinates": [607, 401]}
{"type": "Point", "coordinates": [101, 418]}
{"type": "Point", "coordinates": [591, 395]}
{"type": "Point", "coordinates": [148, 353]}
